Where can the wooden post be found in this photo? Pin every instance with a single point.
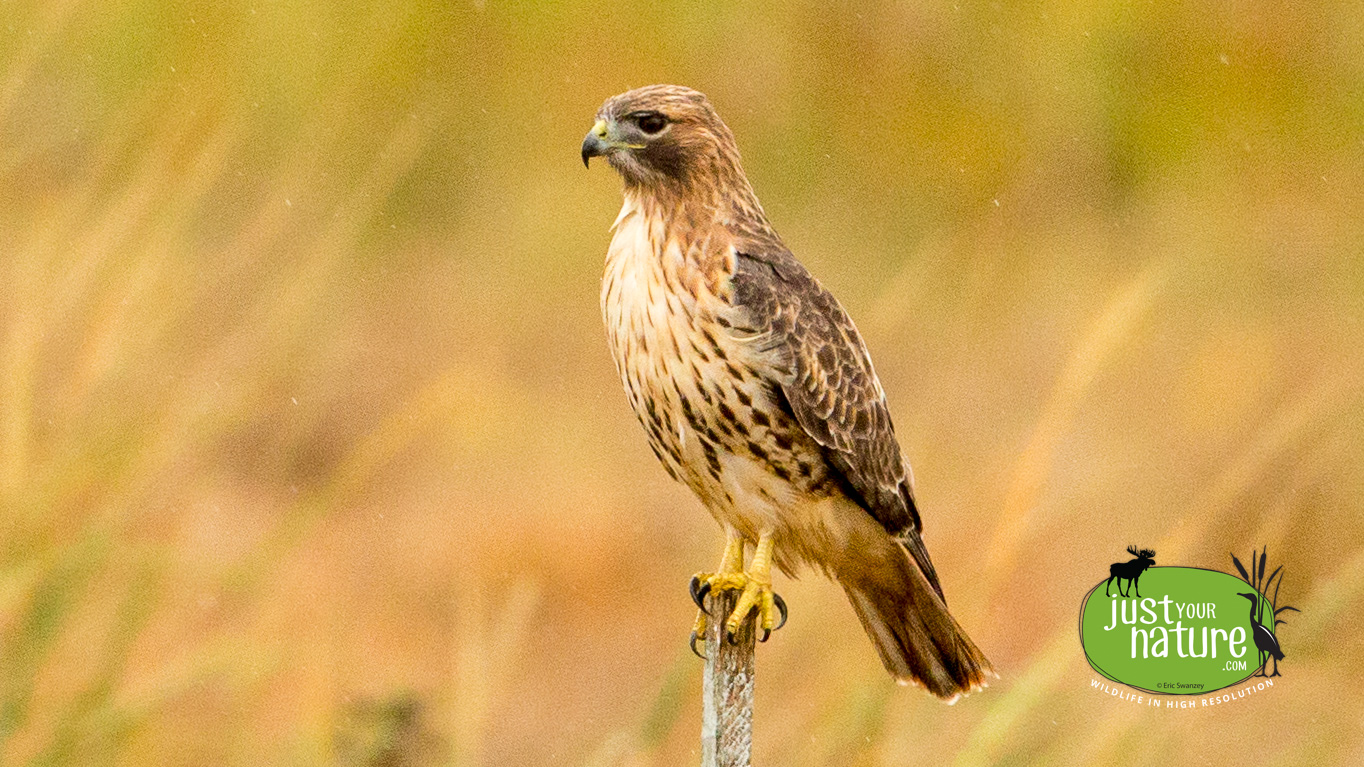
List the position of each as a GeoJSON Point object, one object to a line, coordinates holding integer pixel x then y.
{"type": "Point", "coordinates": [727, 692]}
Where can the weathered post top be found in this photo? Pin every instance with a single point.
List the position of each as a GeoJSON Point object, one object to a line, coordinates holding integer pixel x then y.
{"type": "Point", "coordinates": [727, 693]}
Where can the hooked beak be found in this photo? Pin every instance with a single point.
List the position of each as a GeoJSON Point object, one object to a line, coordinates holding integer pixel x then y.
{"type": "Point", "coordinates": [595, 145]}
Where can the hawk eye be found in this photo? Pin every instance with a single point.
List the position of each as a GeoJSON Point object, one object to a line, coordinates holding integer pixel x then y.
{"type": "Point", "coordinates": [651, 122]}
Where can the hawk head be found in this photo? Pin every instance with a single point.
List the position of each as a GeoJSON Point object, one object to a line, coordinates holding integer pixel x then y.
{"type": "Point", "coordinates": [664, 136]}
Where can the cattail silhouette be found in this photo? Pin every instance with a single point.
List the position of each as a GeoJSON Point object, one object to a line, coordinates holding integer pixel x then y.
{"type": "Point", "coordinates": [1266, 641]}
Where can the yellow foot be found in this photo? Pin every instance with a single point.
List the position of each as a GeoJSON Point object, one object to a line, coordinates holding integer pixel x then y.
{"type": "Point", "coordinates": [755, 591]}
{"type": "Point", "coordinates": [698, 633]}
{"type": "Point", "coordinates": [702, 585]}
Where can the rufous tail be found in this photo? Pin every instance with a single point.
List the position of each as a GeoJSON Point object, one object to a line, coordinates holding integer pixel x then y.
{"type": "Point", "coordinates": [918, 639]}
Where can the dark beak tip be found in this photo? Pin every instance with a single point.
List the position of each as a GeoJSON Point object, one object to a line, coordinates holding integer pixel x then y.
{"type": "Point", "coordinates": [592, 147]}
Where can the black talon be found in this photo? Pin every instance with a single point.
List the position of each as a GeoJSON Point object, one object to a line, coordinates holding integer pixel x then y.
{"type": "Point", "coordinates": [695, 651]}
{"type": "Point", "coordinates": [766, 633]}
{"type": "Point", "coordinates": [732, 636]}
{"type": "Point", "coordinates": [699, 591]}
{"type": "Point", "coordinates": [781, 607]}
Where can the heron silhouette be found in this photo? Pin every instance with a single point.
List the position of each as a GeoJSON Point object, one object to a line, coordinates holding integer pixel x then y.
{"type": "Point", "coordinates": [1265, 641]}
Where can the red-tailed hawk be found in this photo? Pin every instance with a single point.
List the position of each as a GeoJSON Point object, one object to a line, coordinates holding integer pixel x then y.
{"type": "Point", "coordinates": [757, 392]}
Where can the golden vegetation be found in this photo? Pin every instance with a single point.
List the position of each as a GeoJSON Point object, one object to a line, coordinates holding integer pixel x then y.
{"type": "Point", "coordinates": [311, 451]}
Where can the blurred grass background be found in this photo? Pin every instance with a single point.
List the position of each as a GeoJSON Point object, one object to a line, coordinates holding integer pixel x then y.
{"type": "Point", "coordinates": [311, 451]}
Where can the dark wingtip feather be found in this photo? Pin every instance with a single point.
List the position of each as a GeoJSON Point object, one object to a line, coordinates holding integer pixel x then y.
{"type": "Point", "coordinates": [914, 544]}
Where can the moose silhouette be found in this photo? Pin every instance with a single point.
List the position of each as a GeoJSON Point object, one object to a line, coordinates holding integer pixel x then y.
{"type": "Point", "coordinates": [1130, 570]}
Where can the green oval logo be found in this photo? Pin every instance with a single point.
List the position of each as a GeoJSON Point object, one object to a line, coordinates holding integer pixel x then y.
{"type": "Point", "coordinates": [1184, 631]}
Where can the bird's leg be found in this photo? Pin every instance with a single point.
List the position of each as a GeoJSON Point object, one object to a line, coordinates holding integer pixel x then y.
{"type": "Point", "coordinates": [758, 593]}
{"type": "Point", "coordinates": [729, 575]}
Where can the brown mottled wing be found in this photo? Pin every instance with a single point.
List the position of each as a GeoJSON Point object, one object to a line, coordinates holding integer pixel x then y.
{"type": "Point", "coordinates": [827, 378]}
